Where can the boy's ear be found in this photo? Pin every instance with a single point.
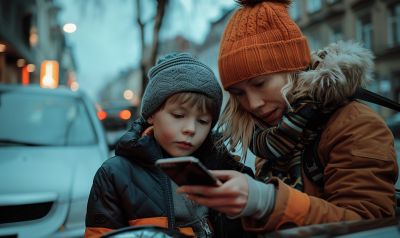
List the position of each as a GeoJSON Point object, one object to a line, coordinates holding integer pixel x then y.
{"type": "Point", "coordinates": [150, 120]}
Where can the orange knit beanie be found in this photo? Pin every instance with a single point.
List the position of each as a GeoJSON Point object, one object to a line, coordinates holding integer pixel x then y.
{"type": "Point", "coordinates": [260, 39]}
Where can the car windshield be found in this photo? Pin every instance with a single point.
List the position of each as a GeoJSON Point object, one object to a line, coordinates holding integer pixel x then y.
{"type": "Point", "coordinates": [38, 119]}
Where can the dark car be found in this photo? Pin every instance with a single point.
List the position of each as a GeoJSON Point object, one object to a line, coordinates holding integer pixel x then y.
{"type": "Point", "coordinates": [117, 116]}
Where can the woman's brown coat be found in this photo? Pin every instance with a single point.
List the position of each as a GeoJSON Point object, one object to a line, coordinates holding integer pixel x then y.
{"type": "Point", "coordinates": [356, 149]}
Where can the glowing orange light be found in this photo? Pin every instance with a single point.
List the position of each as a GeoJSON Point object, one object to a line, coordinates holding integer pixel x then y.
{"type": "Point", "coordinates": [25, 75]}
{"type": "Point", "coordinates": [49, 74]}
{"type": "Point", "coordinates": [125, 114]}
{"type": "Point", "coordinates": [101, 115]}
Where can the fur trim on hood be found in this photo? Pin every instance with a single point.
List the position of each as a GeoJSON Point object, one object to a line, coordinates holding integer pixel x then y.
{"type": "Point", "coordinates": [335, 74]}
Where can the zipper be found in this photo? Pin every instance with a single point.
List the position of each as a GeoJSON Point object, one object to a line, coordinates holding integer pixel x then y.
{"type": "Point", "coordinates": [170, 202]}
{"type": "Point", "coordinates": [166, 185]}
{"type": "Point", "coordinates": [206, 227]}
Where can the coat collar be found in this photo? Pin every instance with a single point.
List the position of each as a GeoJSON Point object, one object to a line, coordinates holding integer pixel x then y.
{"type": "Point", "coordinates": [336, 72]}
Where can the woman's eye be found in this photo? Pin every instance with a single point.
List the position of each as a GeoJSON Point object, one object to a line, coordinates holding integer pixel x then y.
{"type": "Point", "coordinates": [259, 84]}
{"type": "Point", "coordinates": [236, 93]}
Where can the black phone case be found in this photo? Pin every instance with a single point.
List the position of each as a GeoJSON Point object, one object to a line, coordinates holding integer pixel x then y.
{"type": "Point", "coordinates": [188, 173]}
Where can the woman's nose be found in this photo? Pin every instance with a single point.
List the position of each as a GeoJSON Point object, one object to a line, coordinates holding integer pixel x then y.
{"type": "Point", "coordinates": [254, 101]}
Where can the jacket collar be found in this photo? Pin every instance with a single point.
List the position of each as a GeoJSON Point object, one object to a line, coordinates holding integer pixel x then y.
{"type": "Point", "coordinates": [142, 149]}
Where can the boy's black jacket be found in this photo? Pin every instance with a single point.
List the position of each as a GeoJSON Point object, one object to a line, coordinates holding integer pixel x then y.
{"type": "Point", "coordinates": [129, 186]}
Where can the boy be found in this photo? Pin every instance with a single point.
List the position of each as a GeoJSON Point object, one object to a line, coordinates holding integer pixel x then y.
{"type": "Point", "coordinates": [181, 103]}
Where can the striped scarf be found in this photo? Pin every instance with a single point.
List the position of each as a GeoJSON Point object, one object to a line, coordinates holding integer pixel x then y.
{"type": "Point", "coordinates": [282, 145]}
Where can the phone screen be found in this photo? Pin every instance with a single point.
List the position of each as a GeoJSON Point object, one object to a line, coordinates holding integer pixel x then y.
{"type": "Point", "coordinates": [187, 172]}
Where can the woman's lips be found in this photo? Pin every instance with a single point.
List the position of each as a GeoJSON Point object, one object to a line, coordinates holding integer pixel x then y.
{"type": "Point", "coordinates": [270, 116]}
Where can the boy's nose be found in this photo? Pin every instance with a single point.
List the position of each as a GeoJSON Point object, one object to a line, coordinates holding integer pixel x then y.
{"type": "Point", "coordinates": [189, 127]}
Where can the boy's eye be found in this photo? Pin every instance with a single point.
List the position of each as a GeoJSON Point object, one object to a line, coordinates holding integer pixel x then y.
{"type": "Point", "coordinates": [178, 115]}
{"type": "Point", "coordinates": [204, 122]}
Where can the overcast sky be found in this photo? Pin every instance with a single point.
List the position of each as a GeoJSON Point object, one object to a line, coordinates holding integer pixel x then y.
{"type": "Point", "coordinates": [106, 41]}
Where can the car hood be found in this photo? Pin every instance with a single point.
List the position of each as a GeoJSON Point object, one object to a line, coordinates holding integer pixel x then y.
{"type": "Point", "coordinates": [45, 173]}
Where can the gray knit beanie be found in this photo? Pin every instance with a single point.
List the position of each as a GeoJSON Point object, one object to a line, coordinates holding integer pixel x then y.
{"type": "Point", "coordinates": [176, 73]}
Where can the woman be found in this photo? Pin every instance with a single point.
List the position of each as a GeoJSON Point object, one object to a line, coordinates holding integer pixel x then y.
{"type": "Point", "coordinates": [283, 101]}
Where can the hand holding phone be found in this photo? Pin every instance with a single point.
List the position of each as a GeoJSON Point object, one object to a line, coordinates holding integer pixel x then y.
{"type": "Point", "coordinates": [187, 171]}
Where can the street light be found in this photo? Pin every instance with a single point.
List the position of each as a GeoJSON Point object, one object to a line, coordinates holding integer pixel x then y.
{"type": "Point", "coordinates": [69, 28]}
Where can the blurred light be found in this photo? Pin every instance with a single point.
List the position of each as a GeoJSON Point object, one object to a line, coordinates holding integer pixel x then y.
{"type": "Point", "coordinates": [71, 77]}
{"type": "Point", "coordinates": [74, 86]}
{"type": "Point", "coordinates": [125, 114]}
{"type": "Point", "coordinates": [49, 74]}
{"type": "Point", "coordinates": [128, 94]}
{"type": "Point", "coordinates": [101, 115]}
{"type": "Point", "coordinates": [135, 100]}
{"type": "Point", "coordinates": [25, 75]}
{"type": "Point", "coordinates": [33, 36]}
{"type": "Point", "coordinates": [98, 107]}
{"type": "Point", "coordinates": [3, 48]}
{"type": "Point", "coordinates": [20, 63]}
{"type": "Point", "coordinates": [31, 68]}
{"type": "Point", "coordinates": [69, 28]}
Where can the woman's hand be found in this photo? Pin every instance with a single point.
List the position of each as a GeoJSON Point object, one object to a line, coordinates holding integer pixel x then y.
{"type": "Point", "coordinates": [229, 198]}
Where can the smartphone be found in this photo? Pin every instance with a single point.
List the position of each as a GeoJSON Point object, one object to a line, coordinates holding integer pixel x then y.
{"type": "Point", "coordinates": [187, 171]}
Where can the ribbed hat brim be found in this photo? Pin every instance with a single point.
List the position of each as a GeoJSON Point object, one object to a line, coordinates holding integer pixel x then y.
{"type": "Point", "coordinates": [260, 59]}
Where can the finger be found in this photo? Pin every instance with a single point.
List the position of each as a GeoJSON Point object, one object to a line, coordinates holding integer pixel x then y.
{"type": "Point", "coordinates": [224, 175]}
{"type": "Point", "coordinates": [225, 190]}
{"type": "Point", "coordinates": [225, 205]}
{"type": "Point", "coordinates": [193, 189]}
{"type": "Point", "coordinates": [218, 202]}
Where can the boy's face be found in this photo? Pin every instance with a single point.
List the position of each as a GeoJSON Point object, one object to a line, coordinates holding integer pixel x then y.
{"type": "Point", "coordinates": [179, 128]}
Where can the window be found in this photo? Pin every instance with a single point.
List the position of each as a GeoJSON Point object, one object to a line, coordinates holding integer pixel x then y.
{"type": "Point", "coordinates": [364, 30]}
{"type": "Point", "coordinates": [45, 120]}
{"type": "Point", "coordinates": [313, 5]}
{"type": "Point", "coordinates": [26, 27]}
{"type": "Point", "coordinates": [394, 26]}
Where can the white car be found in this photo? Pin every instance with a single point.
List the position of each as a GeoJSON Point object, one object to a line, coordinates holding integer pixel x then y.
{"type": "Point", "coordinates": [51, 145]}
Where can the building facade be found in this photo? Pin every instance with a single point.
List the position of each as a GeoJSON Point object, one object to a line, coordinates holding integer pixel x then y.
{"type": "Point", "coordinates": [374, 23]}
{"type": "Point", "coordinates": [30, 34]}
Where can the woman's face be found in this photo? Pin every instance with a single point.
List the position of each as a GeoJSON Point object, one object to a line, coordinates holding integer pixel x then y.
{"type": "Point", "coordinates": [262, 97]}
